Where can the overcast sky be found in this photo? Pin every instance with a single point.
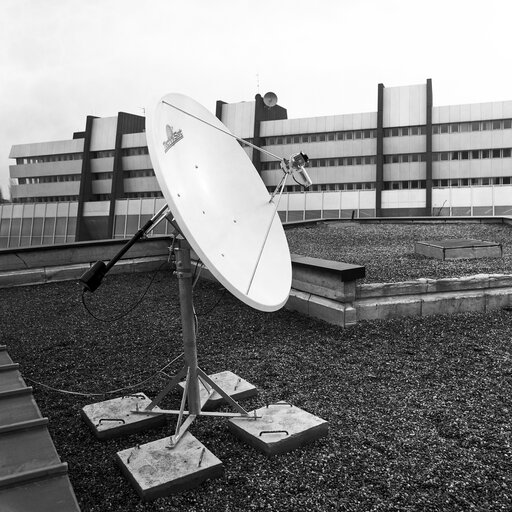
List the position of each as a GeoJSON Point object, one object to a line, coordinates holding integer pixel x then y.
{"type": "Point", "coordinates": [62, 60]}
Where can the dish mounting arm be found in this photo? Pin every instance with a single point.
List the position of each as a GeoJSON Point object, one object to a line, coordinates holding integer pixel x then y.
{"type": "Point", "coordinates": [93, 277]}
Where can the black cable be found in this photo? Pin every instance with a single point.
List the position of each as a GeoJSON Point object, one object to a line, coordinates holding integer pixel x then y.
{"type": "Point", "coordinates": [114, 319]}
{"type": "Point", "coordinates": [214, 306]}
{"type": "Point", "coordinates": [298, 183]}
{"type": "Point", "coordinates": [112, 392]}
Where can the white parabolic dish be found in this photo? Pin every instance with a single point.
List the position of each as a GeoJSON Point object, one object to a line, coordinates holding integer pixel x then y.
{"type": "Point", "coordinates": [219, 202]}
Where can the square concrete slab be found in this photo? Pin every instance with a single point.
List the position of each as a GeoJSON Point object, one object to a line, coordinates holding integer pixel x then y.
{"type": "Point", "coordinates": [156, 470]}
{"type": "Point", "coordinates": [459, 248]}
{"type": "Point", "coordinates": [280, 429]}
{"type": "Point", "coordinates": [233, 385]}
{"type": "Point", "coordinates": [113, 418]}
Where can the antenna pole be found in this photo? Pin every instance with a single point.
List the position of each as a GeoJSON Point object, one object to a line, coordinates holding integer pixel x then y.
{"type": "Point", "coordinates": [184, 274]}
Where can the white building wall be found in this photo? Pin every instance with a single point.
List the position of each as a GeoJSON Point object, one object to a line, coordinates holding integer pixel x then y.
{"type": "Point", "coordinates": [404, 171]}
{"type": "Point", "coordinates": [103, 134]}
{"type": "Point", "coordinates": [404, 145]}
{"type": "Point", "coordinates": [58, 147]}
{"type": "Point", "coordinates": [344, 122]}
{"type": "Point", "coordinates": [64, 188]}
{"type": "Point", "coordinates": [472, 112]}
{"type": "Point", "coordinates": [46, 169]}
{"type": "Point", "coordinates": [239, 118]}
{"type": "Point", "coordinates": [414, 198]}
{"type": "Point", "coordinates": [405, 106]}
{"type": "Point", "coordinates": [134, 140]}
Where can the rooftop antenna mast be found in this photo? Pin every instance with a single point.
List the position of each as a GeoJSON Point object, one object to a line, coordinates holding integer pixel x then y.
{"type": "Point", "coordinates": [220, 210]}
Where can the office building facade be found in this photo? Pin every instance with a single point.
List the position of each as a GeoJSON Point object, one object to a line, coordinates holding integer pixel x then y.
{"type": "Point", "coordinates": [407, 158]}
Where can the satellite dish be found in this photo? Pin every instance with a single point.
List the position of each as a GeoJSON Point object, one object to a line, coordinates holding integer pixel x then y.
{"type": "Point", "coordinates": [219, 202]}
{"type": "Point", "coordinates": [270, 99]}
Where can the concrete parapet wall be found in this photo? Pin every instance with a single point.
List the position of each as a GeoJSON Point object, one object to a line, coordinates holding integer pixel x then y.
{"type": "Point", "coordinates": [325, 309]}
{"type": "Point", "coordinates": [482, 292]}
{"type": "Point", "coordinates": [79, 253]}
{"type": "Point", "coordinates": [426, 286]}
{"type": "Point", "coordinates": [321, 289]}
{"type": "Point", "coordinates": [74, 272]}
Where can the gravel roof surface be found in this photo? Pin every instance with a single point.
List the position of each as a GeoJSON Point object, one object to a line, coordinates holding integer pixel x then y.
{"type": "Point", "coordinates": [419, 409]}
{"type": "Point", "coordinates": [387, 250]}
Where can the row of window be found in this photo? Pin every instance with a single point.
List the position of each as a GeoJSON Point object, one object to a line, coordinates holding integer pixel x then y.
{"type": "Point", "coordinates": [139, 173]}
{"type": "Point", "coordinates": [402, 131]}
{"type": "Point", "coordinates": [473, 154]}
{"type": "Point", "coordinates": [327, 162]}
{"type": "Point", "coordinates": [474, 126]}
{"type": "Point", "coordinates": [135, 195]}
{"type": "Point", "coordinates": [102, 176]}
{"type": "Point", "coordinates": [466, 182]}
{"type": "Point", "coordinates": [48, 199]}
{"type": "Point", "coordinates": [48, 179]}
{"type": "Point", "coordinates": [405, 131]}
{"type": "Point", "coordinates": [320, 137]}
{"type": "Point", "coordinates": [48, 158]}
{"type": "Point", "coordinates": [404, 185]}
{"type": "Point", "coordinates": [108, 153]}
{"type": "Point", "coordinates": [329, 187]}
{"type": "Point", "coordinates": [403, 158]}
{"type": "Point", "coordinates": [135, 151]}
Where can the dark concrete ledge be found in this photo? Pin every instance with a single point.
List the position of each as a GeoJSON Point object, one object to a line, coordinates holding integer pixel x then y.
{"type": "Point", "coordinates": [402, 220]}
{"type": "Point", "coordinates": [43, 256]}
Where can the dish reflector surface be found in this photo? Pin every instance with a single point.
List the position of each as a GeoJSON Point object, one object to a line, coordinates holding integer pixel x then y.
{"type": "Point", "coordinates": [219, 202]}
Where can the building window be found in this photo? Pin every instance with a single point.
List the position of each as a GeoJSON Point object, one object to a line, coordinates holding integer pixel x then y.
{"type": "Point", "coordinates": [475, 154]}
{"type": "Point", "coordinates": [496, 153]}
{"type": "Point", "coordinates": [444, 128]}
{"type": "Point", "coordinates": [485, 153]}
{"type": "Point", "coordinates": [454, 128]}
{"type": "Point", "coordinates": [475, 127]}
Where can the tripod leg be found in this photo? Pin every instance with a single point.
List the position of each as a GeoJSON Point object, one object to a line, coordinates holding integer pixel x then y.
{"type": "Point", "coordinates": [221, 392]}
{"type": "Point", "coordinates": [167, 389]}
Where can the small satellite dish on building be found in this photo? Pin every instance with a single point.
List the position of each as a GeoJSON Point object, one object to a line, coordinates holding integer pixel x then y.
{"type": "Point", "coordinates": [270, 99]}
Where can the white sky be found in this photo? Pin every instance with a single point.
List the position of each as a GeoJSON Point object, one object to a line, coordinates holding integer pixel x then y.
{"type": "Point", "coordinates": [61, 60]}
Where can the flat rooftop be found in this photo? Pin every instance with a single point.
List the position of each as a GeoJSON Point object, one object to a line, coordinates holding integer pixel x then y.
{"type": "Point", "coordinates": [387, 249]}
{"type": "Point", "coordinates": [418, 408]}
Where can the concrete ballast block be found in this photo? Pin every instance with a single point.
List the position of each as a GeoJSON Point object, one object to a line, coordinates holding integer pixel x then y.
{"type": "Point", "coordinates": [157, 469]}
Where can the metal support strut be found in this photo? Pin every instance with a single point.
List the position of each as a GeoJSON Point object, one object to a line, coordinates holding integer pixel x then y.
{"type": "Point", "coordinates": [194, 375]}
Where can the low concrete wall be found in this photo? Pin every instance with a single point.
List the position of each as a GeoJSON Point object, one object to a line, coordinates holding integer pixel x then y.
{"type": "Point", "coordinates": [43, 256]}
{"type": "Point", "coordinates": [422, 297]}
{"type": "Point", "coordinates": [321, 289]}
